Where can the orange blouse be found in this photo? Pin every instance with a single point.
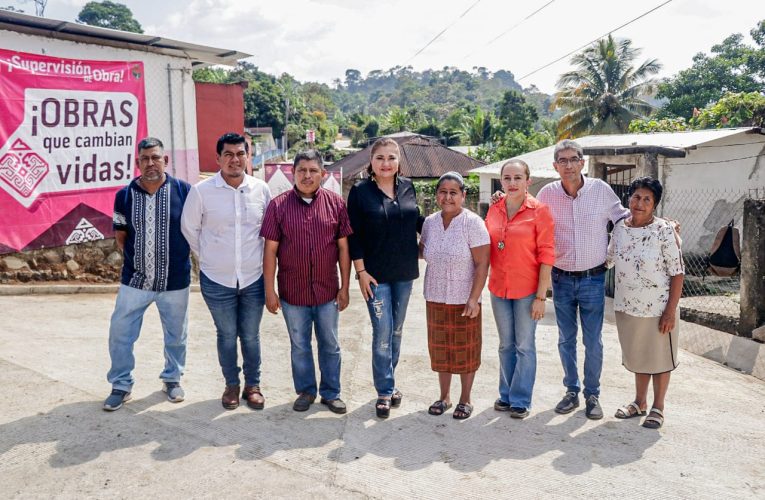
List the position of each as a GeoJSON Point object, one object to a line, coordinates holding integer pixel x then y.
{"type": "Point", "coordinates": [519, 246]}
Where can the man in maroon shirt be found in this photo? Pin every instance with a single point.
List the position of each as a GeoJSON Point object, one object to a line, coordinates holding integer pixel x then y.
{"type": "Point", "coordinates": [306, 231]}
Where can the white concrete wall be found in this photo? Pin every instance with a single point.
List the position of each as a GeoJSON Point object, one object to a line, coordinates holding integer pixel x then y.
{"type": "Point", "coordinates": [707, 188]}
{"type": "Point", "coordinates": [182, 146]}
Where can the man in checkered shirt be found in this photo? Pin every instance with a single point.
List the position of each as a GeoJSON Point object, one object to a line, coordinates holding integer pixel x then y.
{"type": "Point", "coordinates": [582, 208]}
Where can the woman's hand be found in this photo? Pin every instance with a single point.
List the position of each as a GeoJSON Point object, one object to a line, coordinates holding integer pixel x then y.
{"type": "Point", "coordinates": [365, 283]}
{"type": "Point", "coordinates": [667, 321]}
{"type": "Point", "coordinates": [537, 310]}
{"type": "Point", "coordinates": [472, 308]}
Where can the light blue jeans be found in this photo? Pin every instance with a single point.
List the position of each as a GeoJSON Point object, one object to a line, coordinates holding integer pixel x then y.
{"type": "Point", "coordinates": [387, 310]}
{"type": "Point", "coordinates": [125, 328]}
{"type": "Point", "coordinates": [587, 296]}
{"type": "Point", "coordinates": [517, 349]}
{"type": "Point", "coordinates": [236, 313]}
{"type": "Point", "coordinates": [301, 320]}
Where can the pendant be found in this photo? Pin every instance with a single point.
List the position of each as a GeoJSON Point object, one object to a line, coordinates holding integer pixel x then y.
{"type": "Point", "coordinates": [501, 245]}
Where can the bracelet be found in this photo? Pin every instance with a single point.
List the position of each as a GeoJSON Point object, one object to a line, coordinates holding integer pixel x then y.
{"type": "Point", "coordinates": [359, 272]}
{"type": "Point", "coordinates": [541, 299]}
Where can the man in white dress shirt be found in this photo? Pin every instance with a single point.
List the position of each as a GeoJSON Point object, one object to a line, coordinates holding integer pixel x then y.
{"type": "Point", "coordinates": [582, 207]}
{"type": "Point", "coordinates": [221, 221]}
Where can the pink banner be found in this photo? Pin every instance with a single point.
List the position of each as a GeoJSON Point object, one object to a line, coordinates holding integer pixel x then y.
{"type": "Point", "coordinates": [68, 135]}
{"type": "Point", "coordinates": [279, 178]}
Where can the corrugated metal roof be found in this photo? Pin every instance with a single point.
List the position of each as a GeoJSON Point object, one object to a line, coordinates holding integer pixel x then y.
{"type": "Point", "coordinates": [540, 161]}
{"type": "Point", "coordinates": [54, 28]}
{"type": "Point", "coordinates": [421, 157]}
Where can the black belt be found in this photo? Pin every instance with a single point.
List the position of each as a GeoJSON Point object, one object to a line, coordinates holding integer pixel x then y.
{"type": "Point", "coordinates": [595, 271]}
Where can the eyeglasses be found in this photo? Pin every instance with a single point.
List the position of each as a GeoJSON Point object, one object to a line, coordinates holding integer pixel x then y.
{"type": "Point", "coordinates": [154, 158]}
{"type": "Point", "coordinates": [563, 162]}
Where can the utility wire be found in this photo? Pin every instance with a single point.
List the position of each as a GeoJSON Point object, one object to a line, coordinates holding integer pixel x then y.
{"type": "Point", "coordinates": [509, 29]}
{"type": "Point", "coordinates": [592, 41]}
{"type": "Point", "coordinates": [442, 32]}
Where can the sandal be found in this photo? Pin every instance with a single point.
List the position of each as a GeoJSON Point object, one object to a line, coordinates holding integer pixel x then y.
{"type": "Point", "coordinates": [395, 398]}
{"type": "Point", "coordinates": [439, 407]}
{"type": "Point", "coordinates": [654, 420]}
{"type": "Point", "coordinates": [382, 407]}
{"type": "Point", "coordinates": [629, 410]}
{"type": "Point", "coordinates": [463, 411]}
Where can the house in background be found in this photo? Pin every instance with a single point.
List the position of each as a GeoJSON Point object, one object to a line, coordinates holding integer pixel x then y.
{"type": "Point", "coordinates": [422, 157]}
{"type": "Point", "coordinates": [706, 174]}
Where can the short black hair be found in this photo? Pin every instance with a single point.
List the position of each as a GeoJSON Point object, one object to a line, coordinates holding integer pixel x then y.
{"type": "Point", "coordinates": [649, 183]}
{"type": "Point", "coordinates": [231, 138]}
{"type": "Point", "coordinates": [308, 155]}
{"type": "Point", "coordinates": [150, 142]}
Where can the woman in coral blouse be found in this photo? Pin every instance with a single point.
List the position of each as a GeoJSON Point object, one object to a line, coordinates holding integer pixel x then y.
{"type": "Point", "coordinates": [522, 255]}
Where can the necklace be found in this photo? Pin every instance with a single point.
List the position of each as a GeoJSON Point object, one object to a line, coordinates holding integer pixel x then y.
{"type": "Point", "coordinates": [632, 223]}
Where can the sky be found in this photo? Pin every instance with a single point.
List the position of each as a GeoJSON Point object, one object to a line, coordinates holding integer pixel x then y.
{"type": "Point", "coordinates": [319, 40]}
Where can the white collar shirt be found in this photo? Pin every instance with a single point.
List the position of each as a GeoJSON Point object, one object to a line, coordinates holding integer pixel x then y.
{"type": "Point", "coordinates": [581, 234]}
{"type": "Point", "coordinates": [222, 225]}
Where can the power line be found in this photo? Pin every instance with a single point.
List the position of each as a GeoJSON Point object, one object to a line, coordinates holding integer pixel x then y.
{"type": "Point", "coordinates": [442, 32]}
{"type": "Point", "coordinates": [510, 29]}
{"type": "Point", "coordinates": [593, 41]}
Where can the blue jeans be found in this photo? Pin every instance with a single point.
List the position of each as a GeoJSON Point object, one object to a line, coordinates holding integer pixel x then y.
{"type": "Point", "coordinates": [587, 294]}
{"type": "Point", "coordinates": [387, 310]}
{"type": "Point", "coordinates": [517, 349]}
{"type": "Point", "coordinates": [125, 327]}
{"type": "Point", "coordinates": [236, 313]}
{"type": "Point", "coordinates": [323, 319]}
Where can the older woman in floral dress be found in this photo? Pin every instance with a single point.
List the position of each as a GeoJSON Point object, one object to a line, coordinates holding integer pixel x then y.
{"type": "Point", "coordinates": [455, 245]}
{"type": "Point", "coordinates": [645, 251]}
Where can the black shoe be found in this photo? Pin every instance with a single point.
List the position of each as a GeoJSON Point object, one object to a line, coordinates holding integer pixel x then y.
{"type": "Point", "coordinates": [303, 402]}
{"type": "Point", "coordinates": [569, 402]}
{"type": "Point", "coordinates": [335, 405]}
{"type": "Point", "coordinates": [500, 405]}
{"type": "Point", "coordinates": [517, 412]}
{"type": "Point", "coordinates": [593, 409]}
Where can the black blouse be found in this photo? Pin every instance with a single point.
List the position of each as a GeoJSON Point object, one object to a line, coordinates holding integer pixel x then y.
{"type": "Point", "coordinates": [385, 230]}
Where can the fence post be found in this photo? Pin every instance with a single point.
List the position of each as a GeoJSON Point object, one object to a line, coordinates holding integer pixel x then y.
{"type": "Point", "coordinates": [752, 267]}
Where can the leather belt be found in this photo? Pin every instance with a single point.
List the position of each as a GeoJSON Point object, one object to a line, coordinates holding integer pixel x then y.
{"type": "Point", "coordinates": [595, 271]}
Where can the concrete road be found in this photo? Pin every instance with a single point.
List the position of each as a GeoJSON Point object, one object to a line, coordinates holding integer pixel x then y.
{"type": "Point", "coordinates": [56, 442]}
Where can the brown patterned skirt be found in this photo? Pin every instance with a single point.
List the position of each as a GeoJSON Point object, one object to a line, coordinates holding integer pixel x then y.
{"type": "Point", "coordinates": [454, 341]}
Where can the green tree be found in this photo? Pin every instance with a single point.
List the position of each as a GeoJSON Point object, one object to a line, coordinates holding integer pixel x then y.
{"type": "Point", "coordinates": [108, 14]}
{"type": "Point", "coordinates": [646, 125]}
{"type": "Point", "coordinates": [732, 66]}
{"type": "Point", "coordinates": [603, 95]}
{"type": "Point", "coordinates": [733, 110]}
{"type": "Point", "coordinates": [515, 113]}
{"type": "Point", "coordinates": [477, 129]}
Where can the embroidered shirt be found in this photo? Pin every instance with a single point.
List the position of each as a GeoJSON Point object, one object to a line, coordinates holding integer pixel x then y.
{"type": "Point", "coordinates": [156, 255]}
{"type": "Point", "coordinates": [308, 254]}
{"type": "Point", "coordinates": [450, 271]}
{"type": "Point", "coordinates": [645, 259]}
{"type": "Point", "coordinates": [581, 234]}
{"type": "Point", "coordinates": [222, 226]}
{"type": "Point", "coordinates": [518, 247]}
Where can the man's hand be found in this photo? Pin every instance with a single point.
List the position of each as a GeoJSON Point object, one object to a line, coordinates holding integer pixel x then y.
{"type": "Point", "coordinates": [342, 299]}
{"type": "Point", "coordinates": [272, 301]}
{"type": "Point", "coordinates": [496, 197]}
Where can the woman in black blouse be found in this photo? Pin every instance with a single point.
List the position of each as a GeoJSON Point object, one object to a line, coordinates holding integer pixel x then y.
{"type": "Point", "coordinates": [385, 220]}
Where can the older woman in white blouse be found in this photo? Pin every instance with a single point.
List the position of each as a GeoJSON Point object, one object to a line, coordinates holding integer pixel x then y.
{"type": "Point", "coordinates": [649, 281]}
{"type": "Point", "coordinates": [455, 245]}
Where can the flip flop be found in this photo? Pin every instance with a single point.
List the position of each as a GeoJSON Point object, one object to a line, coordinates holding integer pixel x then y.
{"type": "Point", "coordinates": [630, 410]}
{"type": "Point", "coordinates": [439, 407]}
{"type": "Point", "coordinates": [463, 411]}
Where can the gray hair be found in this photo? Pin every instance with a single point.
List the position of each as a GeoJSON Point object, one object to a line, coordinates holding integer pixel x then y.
{"type": "Point", "coordinates": [568, 144]}
{"type": "Point", "coordinates": [150, 142]}
{"type": "Point", "coordinates": [452, 176]}
{"type": "Point", "coordinates": [308, 155]}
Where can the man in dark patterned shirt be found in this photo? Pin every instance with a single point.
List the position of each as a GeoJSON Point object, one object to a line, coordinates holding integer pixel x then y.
{"type": "Point", "coordinates": [156, 269]}
{"type": "Point", "coordinates": [307, 230]}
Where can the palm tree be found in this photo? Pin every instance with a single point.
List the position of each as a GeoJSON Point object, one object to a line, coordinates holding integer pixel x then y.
{"type": "Point", "coordinates": [603, 95]}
